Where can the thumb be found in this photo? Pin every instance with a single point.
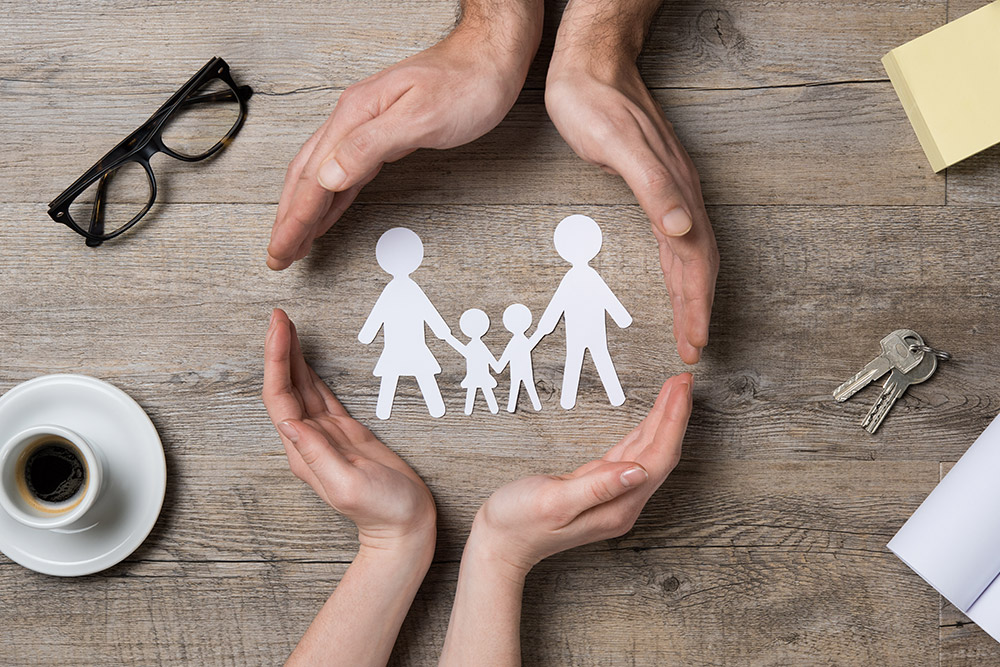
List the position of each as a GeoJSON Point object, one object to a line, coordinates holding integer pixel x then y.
{"type": "Point", "coordinates": [363, 151]}
{"type": "Point", "coordinates": [604, 483]}
{"type": "Point", "coordinates": [656, 189]}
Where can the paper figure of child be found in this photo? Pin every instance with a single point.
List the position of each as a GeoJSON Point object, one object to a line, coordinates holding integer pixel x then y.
{"type": "Point", "coordinates": [517, 319]}
{"type": "Point", "coordinates": [401, 312]}
{"type": "Point", "coordinates": [584, 298]}
{"type": "Point", "coordinates": [478, 359]}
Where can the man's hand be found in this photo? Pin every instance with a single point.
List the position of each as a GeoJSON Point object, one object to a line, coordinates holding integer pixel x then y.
{"type": "Point", "coordinates": [340, 459]}
{"type": "Point", "coordinates": [452, 93]}
{"type": "Point", "coordinates": [535, 517]}
{"type": "Point", "coordinates": [604, 111]}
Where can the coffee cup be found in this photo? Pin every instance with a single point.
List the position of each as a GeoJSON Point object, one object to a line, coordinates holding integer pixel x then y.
{"type": "Point", "coordinates": [50, 477]}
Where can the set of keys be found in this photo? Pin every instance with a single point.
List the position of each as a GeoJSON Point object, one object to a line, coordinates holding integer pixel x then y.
{"type": "Point", "coordinates": [906, 359]}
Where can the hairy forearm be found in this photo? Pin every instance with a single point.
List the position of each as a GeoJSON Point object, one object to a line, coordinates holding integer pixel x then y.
{"type": "Point", "coordinates": [512, 27]}
{"type": "Point", "coordinates": [485, 625]}
{"type": "Point", "coordinates": [359, 623]}
{"type": "Point", "coordinates": [605, 28]}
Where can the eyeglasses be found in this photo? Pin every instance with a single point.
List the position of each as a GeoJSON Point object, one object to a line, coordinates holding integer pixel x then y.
{"type": "Point", "coordinates": [196, 122]}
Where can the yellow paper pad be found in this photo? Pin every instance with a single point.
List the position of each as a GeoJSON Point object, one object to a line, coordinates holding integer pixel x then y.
{"type": "Point", "coordinates": [949, 83]}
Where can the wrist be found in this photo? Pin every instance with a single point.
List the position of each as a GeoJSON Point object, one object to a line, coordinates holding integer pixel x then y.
{"type": "Point", "coordinates": [404, 557]}
{"type": "Point", "coordinates": [414, 547]}
{"type": "Point", "coordinates": [489, 551]}
{"type": "Point", "coordinates": [509, 33]}
{"type": "Point", "coordinates": [599, 40]}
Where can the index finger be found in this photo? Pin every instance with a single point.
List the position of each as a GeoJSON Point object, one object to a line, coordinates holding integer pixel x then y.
{"type": "Point", "coordinates": [279, 394]}
{"type": "Point", "coordinates": [662, 453]}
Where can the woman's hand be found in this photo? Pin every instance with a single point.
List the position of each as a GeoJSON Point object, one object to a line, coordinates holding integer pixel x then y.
{"type": "Point", "coordinates": [604, 111]}
{"type": "Point", "coordinates": [448, 95]}
{"type": "Point", "coordinates": [535, 517]}
{"type": "Point", "coordinates": [339, 458]}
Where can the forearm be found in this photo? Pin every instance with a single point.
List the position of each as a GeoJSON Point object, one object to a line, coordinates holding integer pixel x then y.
{"type": "Point", "coordinates": [608, 31]}
{"type": "Point", "coordinates": [359, 623]}
{"type": "Point", "coordinates": [485, 625]}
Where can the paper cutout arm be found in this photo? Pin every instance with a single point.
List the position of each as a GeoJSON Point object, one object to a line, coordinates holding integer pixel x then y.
{"type": "Point", "coordinates": [454, 342]}
{"type": "Point", "coordinates": [502, 362]}
{"type": "Point", "coordinates": [554, 311]}
{"type": "Point", "coordinates": [616, 310]}
{"type": "Point", "coordinates": [374, 322]}
{"type": "Point", "coordinates": [434, 319]}
{"type": "Point", "coordinates": [494, 362]}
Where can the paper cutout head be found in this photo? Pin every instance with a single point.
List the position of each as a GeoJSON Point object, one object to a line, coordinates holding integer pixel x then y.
{"type": "Point", "coordinates": [474, 323]}
{"type": "Point", "coordinates": [399, 252]}
{"type": "Point", "coordinates": [578, 239]}
{"type": "Point", "coordinates": [517, 318]}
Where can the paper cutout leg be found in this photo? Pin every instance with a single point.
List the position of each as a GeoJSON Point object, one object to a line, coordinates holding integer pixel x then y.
{"type": "Point", "coordinates": [606, 371]}
{"type": "Point", "coordinates": [491, 400]}
{"type": "Point", "coordinates": [432, 395]}
{"type": "Point", "coordinates": [529, 386]}
{"type": "Point", "coordinates": [401, 306]}
{"type": "Point", "coordinates": [571, 377]}
{"type": "Point", "coordinates": [386, 394]}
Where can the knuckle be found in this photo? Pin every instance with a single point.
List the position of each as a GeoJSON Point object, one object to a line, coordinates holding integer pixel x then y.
{"type": "Point", "coordinates": [549, 507]}
{"type": "Point", "coordinates": [656, 177]}
{"type": "Point", "coordinates": [600, 491]}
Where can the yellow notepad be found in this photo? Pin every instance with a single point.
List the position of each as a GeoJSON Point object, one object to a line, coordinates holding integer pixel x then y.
{"type": "Point", "coordinates": [949, 83]}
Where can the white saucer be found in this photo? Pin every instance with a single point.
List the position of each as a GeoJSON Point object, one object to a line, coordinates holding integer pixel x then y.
{"type": "Point", "coordinates": [127, 508]}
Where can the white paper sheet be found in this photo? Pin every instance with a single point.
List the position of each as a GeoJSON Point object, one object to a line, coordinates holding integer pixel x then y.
{"type": "Point", "coordinates": [953, 539]}
{"type": "Point", "coordinates": [986, 611]}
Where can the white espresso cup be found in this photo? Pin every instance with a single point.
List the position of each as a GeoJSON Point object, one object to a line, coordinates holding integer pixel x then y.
{"type": "Point", "coordinates": [50, 477]}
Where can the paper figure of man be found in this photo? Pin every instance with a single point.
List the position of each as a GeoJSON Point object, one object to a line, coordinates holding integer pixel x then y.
{"type": "Point", "coordinates": [401, 312]}
{"type": "Point", "coordinates": [583, 298]}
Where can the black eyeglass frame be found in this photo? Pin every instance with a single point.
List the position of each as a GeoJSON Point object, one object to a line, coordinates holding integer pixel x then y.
{"type": "Point", "coordinates": [141, 145]}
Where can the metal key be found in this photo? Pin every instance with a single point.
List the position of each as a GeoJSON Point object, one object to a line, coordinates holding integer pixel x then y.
{"type": "Point", "coordinates": [896, 354]}
{"type": "Point", "coordinates": [894, 387]}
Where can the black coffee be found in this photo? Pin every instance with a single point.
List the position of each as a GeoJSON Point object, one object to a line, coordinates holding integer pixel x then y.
{"type": "Point", "coordinates": [53, 472]}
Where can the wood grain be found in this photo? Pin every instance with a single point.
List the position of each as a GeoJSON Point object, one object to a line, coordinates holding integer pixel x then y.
{"type": "Point", "coordinates": [290, 45]}
{"type": "Point", "coordinates": [765, 547]}
{"type": "Point", "coordinates": [774, 146]}
{"type": "Point", "coordinates": [646, 607]}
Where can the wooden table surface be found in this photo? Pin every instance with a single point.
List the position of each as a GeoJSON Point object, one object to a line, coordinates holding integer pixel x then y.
{"type": "Point", "coordinates": [765, 547]}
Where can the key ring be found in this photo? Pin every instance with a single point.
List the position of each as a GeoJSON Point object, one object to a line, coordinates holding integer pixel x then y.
{"type": "Point", "coordinates": [940, 354]}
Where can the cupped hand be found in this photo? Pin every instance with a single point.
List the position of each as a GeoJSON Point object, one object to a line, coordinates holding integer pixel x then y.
{"type": "Point", "coordinates": [344, 463]}
{"type": "Point", "coordinates": [535, 517]}
{"type": "Point", "coordinates": [448, 95]}
{"type": "Point", "coordinates": [608, 117]}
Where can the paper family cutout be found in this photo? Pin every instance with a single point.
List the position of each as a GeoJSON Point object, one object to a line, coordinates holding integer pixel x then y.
{"type": "Point", "coordinates": [582, 299]}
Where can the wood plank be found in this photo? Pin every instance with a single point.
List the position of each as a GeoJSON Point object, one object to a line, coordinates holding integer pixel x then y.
{"type": "Point", "coordinates": [657, 606]}
{"type": "Point", "coordinates": [819, 145]}
{"type": "Point", "coordinates": [701, 44]}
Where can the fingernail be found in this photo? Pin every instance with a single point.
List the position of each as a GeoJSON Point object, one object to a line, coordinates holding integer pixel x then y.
{"type": "Point", "coordinates": [676, 222]}
{"type": "Point", "coordinates": [634, 476]}
{"type": "Point", "coordinates": [331, 175]}
{"type": "Point", "coordinates": [288, 431]}
{"type": "Point", "coordinates": [270, 322]}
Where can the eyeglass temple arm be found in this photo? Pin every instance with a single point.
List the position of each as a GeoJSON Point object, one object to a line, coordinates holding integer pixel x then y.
{"type": "Point", "coordinates": [97, 213]}
{"type": "Point", "coordinates": [220, 96]}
